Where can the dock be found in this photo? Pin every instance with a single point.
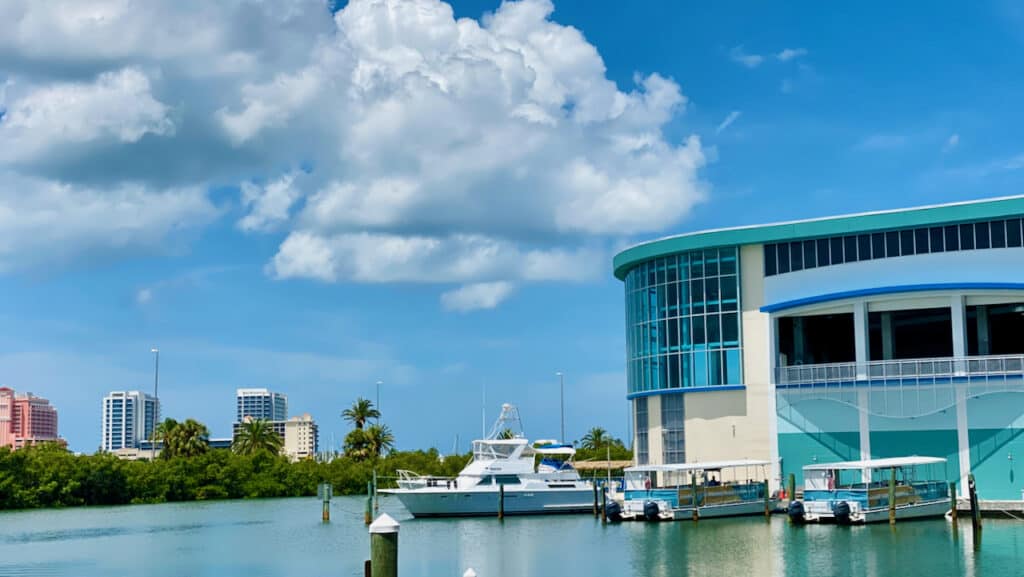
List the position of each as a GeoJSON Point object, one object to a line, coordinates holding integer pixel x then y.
{"type": "Point", "coordinates": [994, 509]}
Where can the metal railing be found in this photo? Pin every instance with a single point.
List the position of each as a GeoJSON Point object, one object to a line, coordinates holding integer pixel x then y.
{"type": "Point", "coordinates": [902, 369]}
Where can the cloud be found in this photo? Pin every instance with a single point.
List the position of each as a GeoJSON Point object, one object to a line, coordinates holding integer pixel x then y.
{"type": "Point", "coordinates": [952, 142]}
{"type": "Point", "coordinates": [476, 296]}
{"type": "Point", "coordinates": [788, 54]}
{"type": "Point", "coordinates": [737, 54]}
{"type": "Point", "coordinates": [434, 144]}
{"type": "Point", "coordinates": [882, 141]}
{"type": "Point", "coordinates": [143, 296]}
{"type": "Point", "coordinates": [729, 119]}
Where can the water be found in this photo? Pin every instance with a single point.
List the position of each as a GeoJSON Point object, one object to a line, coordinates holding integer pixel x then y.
{"type": "Point", "coordinates": [285, 537]}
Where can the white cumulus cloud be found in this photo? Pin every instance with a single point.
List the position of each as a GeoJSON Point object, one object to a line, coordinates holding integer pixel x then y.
{"type": "Point", "coordinates": [477, 296]}
{"type": "Point", "coordinates": [787, 54]}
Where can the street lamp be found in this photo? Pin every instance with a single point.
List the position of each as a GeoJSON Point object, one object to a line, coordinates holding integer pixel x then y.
{"type": "Point", "coordinates": [379, 383]}
{"type": "Point", "coordinates": [156, 405]}
{"type": "Point", "coordinates": [561, 397]}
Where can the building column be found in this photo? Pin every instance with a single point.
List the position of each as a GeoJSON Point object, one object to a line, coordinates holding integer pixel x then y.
{"type": "Point", "coordinates": [984, 346]}
{"type": "Point", "coordinates": [799, 352]}
{"type": "Point", "coordinates": [887, 340]}
{"type": "Point", "coordinates": [963, 440]}
{"type": "Point", "coordinates": [655, 432]}
{"type": "Point", "coordinates": [864, 428]}
{"type": "Point", "coordinates": [773, 415]}
{"type": "Point", "coordinates": [860, 338]}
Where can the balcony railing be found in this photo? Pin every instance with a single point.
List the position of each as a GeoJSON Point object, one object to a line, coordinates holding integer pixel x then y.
{"type": "Point", "coordinates": [900, 388]}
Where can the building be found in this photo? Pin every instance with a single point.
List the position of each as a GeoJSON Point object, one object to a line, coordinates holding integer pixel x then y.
{"type": "Point", "coordinates": [862, 336]}
{"type": "Point", "coordinates": [261, 404]}
{"type": "Point", "coordinates": [129, 418]}
{"type": "Point", "coordinates": [277, 426]}
{"type": "Point", "coordinates": [26, 419]}
{"type": "Point", "coordinates": [300, 437]}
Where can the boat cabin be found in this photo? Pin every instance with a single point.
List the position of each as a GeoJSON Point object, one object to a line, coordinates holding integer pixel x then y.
{"type": "Point", "coordinates": [865, 484]}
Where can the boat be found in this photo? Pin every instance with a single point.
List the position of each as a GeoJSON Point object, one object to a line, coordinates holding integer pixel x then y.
{"type": "Point", "coordinates": [696, 491]}
{"type": "Point", "coordinates": [857, 492]}
{"type": "Point", "coordinates": [503, 474]}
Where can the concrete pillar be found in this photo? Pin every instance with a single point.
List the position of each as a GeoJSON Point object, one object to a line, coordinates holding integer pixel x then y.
{"type": "Point", "coordinates": [772, 408]}
{"type": "Point", "coordinates": [959, 321]}
{"type": "Point", "coordinates": [864, 428]}
{"type": "Point", "coordinates": [887, 336]}
{"type": "Point", "coordinates": [860, 338]}
{"type": "Point", "coordinates": [984, 346]}
{"type": "Point", "coordinates": [963, 440]}
{"type": "Point", "coordinates": [654, 431]}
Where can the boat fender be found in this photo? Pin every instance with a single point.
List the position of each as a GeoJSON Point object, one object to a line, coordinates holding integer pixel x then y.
{"type": "Point", "coordinates": [651, 511]}
{"type": "Point", "coordinates": [841, 511]}
{"type": "Point", "coordinates": [613, 511]}
{"type": "Point", "coordinates": [796, 511]}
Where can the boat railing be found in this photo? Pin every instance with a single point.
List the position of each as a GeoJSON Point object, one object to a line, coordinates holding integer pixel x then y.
{"type": "Point", "coordinates": [412, 480]}
{"type": "Point", "coordinates": [876, 495]}
{"type": "Point", "coordinates": [701, 495]}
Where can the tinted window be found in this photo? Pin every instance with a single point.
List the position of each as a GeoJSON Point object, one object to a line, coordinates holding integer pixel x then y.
{"type": "Point", "coordinates": [837, 249]}
{"type": "Point", "coordinates": [769, 259]}
{"type": "Point", "coordinates": [952, 234]}
{"type": "Point", "coordinates": [920, 240]}
{"type": "Point", "coordinates": [998, 234]}
{"type": "Point", "coordinates": [864, 246]}
{"type": "Point", "coordinates": [878, 245]}
{"type": "Point", "coordinates": [783, 257]}
{"type": "Point", "coordinates": [892, 243]}
{"type": "Point", "coordinates": [1013, 237]}
{"type": "Point", "coordinates": [906, 242]}
{"type": "Point", "coordinates": [796, 256]}
{"type": "Point", "coordinates": [966, 236]}
{"type": "Point", "coordinates": [937, 236]}
{"type": "Point", "coordinates": [981, 239]}
{"type": "Point", "coordinates": [850, 248]}
{"type": "Point", "coordinates": [822, 252]}
{"type": "Point", "coordinates": [810, 255]}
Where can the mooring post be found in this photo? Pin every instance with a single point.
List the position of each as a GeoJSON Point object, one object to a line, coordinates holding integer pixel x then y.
{"type": "Point", "coordinates": [892, 495]}
{"type": "Point", "coordinates": [952, 501]}
{"type": "Point", "coordinates": [767, 501]}
{"type": "Point", "coordinates": [384, 547]}
{"type": "Point", "coordinates": [376, 497]}
{"type": "Point", "coordinates": [975, 510]}
{"type": "Point", "coordinates": [501, 501]}
{"type": "Point", "coordinates": [791, 488]}
{"type": "Point", "coordinates": [368, 514]}
{"type": "Point", "coordinates": [326, 490]}
{"type": "Point", "coordinates": [693, 495]}
{"type": "Point", "coordinates": [604, 506]}
{"type": "Point", "coordinates": [596, 510]}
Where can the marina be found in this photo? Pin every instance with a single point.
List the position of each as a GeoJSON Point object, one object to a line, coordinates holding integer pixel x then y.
{"type": "Point", "coordinates": [697, 490]}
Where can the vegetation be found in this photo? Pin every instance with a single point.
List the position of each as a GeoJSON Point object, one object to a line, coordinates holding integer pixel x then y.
{"type": "Point", "coordinates": [188, 439]}
{"type": "Point", "coordinates": [361, 411]}
{"type": "Point", "coordinates": [256, 436]}
{"type": "Point", "coordinates": [598, 445]}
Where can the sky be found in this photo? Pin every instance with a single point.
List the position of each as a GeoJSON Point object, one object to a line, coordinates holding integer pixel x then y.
{"type": "Point", "coordinates": [313, 197]}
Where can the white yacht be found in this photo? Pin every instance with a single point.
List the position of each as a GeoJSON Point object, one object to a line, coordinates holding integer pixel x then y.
{"type": "Point", "coordinates": [503, 467]}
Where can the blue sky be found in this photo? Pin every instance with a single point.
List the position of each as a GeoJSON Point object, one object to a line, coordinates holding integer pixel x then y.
{"type": "Point", "coordinates": [278, 198]}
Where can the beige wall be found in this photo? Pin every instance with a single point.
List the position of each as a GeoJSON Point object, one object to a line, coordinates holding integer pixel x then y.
{"type": "Point", "coordinates": [654, 428]}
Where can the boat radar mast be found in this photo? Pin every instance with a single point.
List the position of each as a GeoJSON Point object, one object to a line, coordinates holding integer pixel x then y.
{"type": "Point", "coordinates": [508, 420]}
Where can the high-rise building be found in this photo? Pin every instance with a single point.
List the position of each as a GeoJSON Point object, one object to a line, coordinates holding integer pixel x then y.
{"type": "Point", "coordinates": [300, 437]}
{"type": "Point", "coordinates": [129, 418]}
{"type": "Point", "coordinates": [261, 404]}
{"type": "Point", "coordinates": [25, 419]}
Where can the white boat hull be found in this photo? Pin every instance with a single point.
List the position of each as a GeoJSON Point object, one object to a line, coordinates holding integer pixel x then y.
{"type": "Point", "coordinates": [484, 501]}
{"type": "Point", "coordinates": [881, 515]}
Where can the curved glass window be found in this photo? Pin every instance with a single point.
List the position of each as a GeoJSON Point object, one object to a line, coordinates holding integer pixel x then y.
{"type": "Point", "coordinates": [683, 322]}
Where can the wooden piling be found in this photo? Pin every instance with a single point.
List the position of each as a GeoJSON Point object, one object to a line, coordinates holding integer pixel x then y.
{"type": "Point", "coordinates": [327, 511]}
{"type": "Point", "coordinates": [791, 488]}
{"type": "Point", "coordinates": [693, 496]}
{"type": "Point", "coordinates": [596, 510]}
{"type": "Point", "coordinates": [952, 501]}
{"type": "Point", "coordinates": [975, 510]}
{"type": "Point", "coordinates": [604, 506]}
{"type": "Point", "coordinates": [376, 497]}
{"type": "Point", "coordinates": [767, 501]}
{"type": "Point", "coordinates": [368, 514]}
{"type": "Point", "coordinates": [384, 547]}
{"type": "Point", "coordinates": [892, 495]}
{"type": "Point", "coordinates": [501, 501]}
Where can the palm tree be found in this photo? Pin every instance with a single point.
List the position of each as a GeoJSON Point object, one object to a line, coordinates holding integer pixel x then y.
{"type": "Point", "coordinates": [191, 438]}
{"type": "Point", "coordinates": [256, 435]}
{"type": "Point", "coordinates": [164, 434]}
{"type": "Point", "coordinates": [506, 434]}
{"type": "Point", "coordinates": [357, 445]}
{"type": "Point", "coordinates": [379, 440]}
{"type": "Point", "coordinates": [361, 411]}
{"type": "Point", "coordinates": [596, 438]}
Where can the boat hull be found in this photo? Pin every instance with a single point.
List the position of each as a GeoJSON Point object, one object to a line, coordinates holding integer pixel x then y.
{"type": "Point", "coordinates": [881, 515]}
{"type": "Point", "coordinates": [484, 503]}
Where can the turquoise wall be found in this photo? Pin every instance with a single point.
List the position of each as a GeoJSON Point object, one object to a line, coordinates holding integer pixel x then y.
{"type": "Point", "coordinates": [800, 449]}
{"type": "Point", "coordinates": [997, 475]}
{"type": "Point", "coordinates": [940, 443]}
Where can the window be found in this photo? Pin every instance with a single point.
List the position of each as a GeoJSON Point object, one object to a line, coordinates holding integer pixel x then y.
{"type": "Point", "coordinates": [952, 233]}
{"type": "Point", "coordinates": [892, 243]}
{"type": "Point", "coordinates": [837, 249]}
{"type": "Point", "coordinates": [640, 424]}
{"type": "Point", "coordinates": [850, 248]}
{"type": "Point", "coordinates": [906, 242]}
{"type": "Point", "coordinates": [937, 236]}
{"type": "Point", "coordinates": [998, 230]}
{"type": "Point", "coordinates": [784, 261]}
{"type": "Point", "coordinates": [966, 237]}
{"type": "Point", "coordinates": [672, 422]}
{"type": "Point", "coordinates": [921, 241]}
{"type": "Point", "coordinates": [810, 256]}
{"type": "Point", "coordinates": [796, 256]}
{"type": "Point", "coordinates": [864, 247]}
{"type": "Point", "coordinates": [981, 238]}
{"type": "Point", "coordinates": [1013, 236]}
{"type": "Point", "coordinates": [822, 252]}
{"type": "Point", "coordinates": [770, 259]}
{"type": "Point", "coordinates": [877, 245]}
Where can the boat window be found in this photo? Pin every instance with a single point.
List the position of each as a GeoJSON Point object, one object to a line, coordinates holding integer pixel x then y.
{"type": "Point", "coordinates": [499, 479]}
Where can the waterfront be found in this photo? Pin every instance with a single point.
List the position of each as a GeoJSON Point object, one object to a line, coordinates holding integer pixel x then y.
{"type": "Point", "coordinates": [284, 537]}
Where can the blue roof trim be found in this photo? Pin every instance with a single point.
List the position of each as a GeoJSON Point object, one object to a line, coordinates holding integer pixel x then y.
{"type": "Point", "coordinates": [890, 290]}
{"type": "Point", "coordinates": [632, 396]}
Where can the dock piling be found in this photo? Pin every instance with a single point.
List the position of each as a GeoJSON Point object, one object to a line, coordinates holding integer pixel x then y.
{"type": "Point", "coordinates": [892, 495]}
{"type": "Point", "coordinates": [368, 514]}
{"type": "Point", "coordinates": [596, 509]}
{"type": "Point", "coordinates": [791, 488]}
{"type": "Point", "coordinates": [501, 501]}
{"type": "Point", "coordinates": [384, 547]}
{"type": "Point", "coordinates": [376, 498]}
{"type": "Point", "coordinates": [767, 501]}
{"type": "Point", "coordinates": [952, 501]}
{"type": "Point", "coordinates": [604, 506]}
{"type": "Point", "coordinates": [975, 510]}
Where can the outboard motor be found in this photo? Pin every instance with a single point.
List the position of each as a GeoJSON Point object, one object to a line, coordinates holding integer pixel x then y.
{"type": "Point", "coordinates": [796, 512]}
{"type": "Point", "coordinates": [651, 511]}
{"type": "Point", "coordinates": [841, 511]}
{"type": "Point", "coordinates": [613, 511]}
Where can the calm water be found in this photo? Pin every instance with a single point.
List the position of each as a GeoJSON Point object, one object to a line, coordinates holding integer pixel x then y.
{"type": "Point", "coordinates": [286, 537]}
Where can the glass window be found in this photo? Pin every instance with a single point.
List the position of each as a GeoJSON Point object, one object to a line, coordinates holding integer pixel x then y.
{"type": "Point", "coordinates": [810, 255]}
{"type": "Point", "coordinates": [697, 332]}
{"type": "Point", "coordinates": [998, 228]}
{"type": "Point", "coordinates": [936, 237]}
{"type": "Point", "coordinates": [673, 372]}
{"type": "Point", "coordinates": [672, 421]}
{"type": "Point", "coordinates": [728, 292]}
{"type": "Point", "coordinates": [685, 340]}
{"type": "Point", "coordinates": [727, 261]}
{"type": "Point", "coordinates": [684, 297]}
{"type": "Point", "coordinates": [712, 298]}
{"type": "Point", "coordinates": [1013, 236]}
{"type": "Point", "coordinates": [652, 278]}
{"type": "Point", "coordinates": [966, 236]}
{"type": "Point", "coordinates": [711, 263]}
{"type": "Point", "coordinates": [770, 260]}
{"type": "Point", "coordinates": [696, 265]}
{"type": "Point", "coordinates": [952, 234]}
{"type": "Point", "coordinates": [660, 263]}
{"type": "Point", "coordinates": [981, 238]}
{"type": "Point", "coordinates": [672, 270]}
{"type": "Point", "coordinates": [822, 252]}
{"type": "Point", "coordinates": [796, 256]}
{"type": "Point", "coordinates": [715, 368]}
{"type": "Point", "coordinates": [640, 424]}
{"type": "Point", "coordinates": [836, 247]}
{"type": "Point", "coordinates": [697, 294]}
{"type": "Point", "coordinates": [714, 331]}
{"type": "Point", "coordinates": [700, 369]}
{"type": "Point", "coordinates": [672, 298]}
{"type": "Point", "coordinates": [878, 245]}
{"type": "Point", "coordinates": [920, 240]}
{"type": "Point", "coordinates": [864, 246]}
{"type": "Point", "coordinates": [906, 242]}
{"type": "Point", "coordinates": [783, 248]}
{"type": "Point", "coordinates": [730, 329]}
{"type": "Point", "coordinates": [892, 243]}
{"type": "Point", "coordinates": [732, 367]}
{"type": "Point", "coordinates": [686, 369]}
{"type": "Point", "coordinates": [850, 248]}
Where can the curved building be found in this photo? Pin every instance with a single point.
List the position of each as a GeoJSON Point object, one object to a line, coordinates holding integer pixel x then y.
{"type": "Point", "coordinates": [851, 337]}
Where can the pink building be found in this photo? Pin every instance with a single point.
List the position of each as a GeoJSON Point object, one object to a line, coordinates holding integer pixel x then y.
{"type": "Point", "coordinates": [25, 419]}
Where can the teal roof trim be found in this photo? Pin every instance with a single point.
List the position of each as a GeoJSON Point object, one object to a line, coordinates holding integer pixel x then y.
{"type": "Point", "coordinates": [829, 226]}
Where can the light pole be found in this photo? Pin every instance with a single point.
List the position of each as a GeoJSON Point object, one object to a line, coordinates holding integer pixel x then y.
{"type": "Point", "coordinates": [156, 403]}
{"type": "Point", "coordinates": [561, 402]}
{"type": "Point", "coordinates": [379, 383]}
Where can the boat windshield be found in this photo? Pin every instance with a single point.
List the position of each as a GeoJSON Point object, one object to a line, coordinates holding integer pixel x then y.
{"type": "Point", "coordinates": [500, 449]}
